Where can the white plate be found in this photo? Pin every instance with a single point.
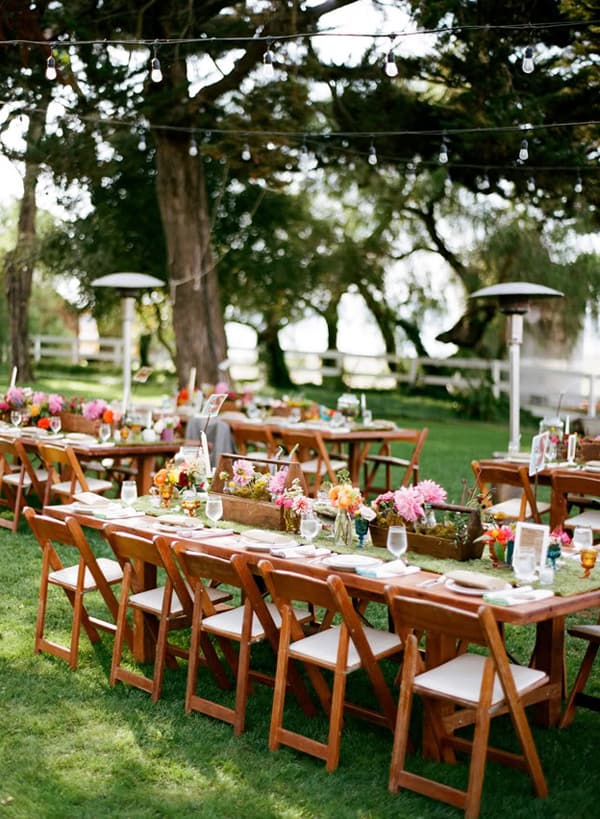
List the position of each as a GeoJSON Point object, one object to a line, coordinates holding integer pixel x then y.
{"type": "Point", "coordinates": [80, 436]}
{"type": "Point", "coordinates": [179, 522]}
{"type": "Point", "coordinates": [349, 563]}
{"type": "Point", "coordinates": [255, 546]}
{"type": "Point", "coordinates": [34, 431]}
{"type": "Point", "coordinates": [458, 589]}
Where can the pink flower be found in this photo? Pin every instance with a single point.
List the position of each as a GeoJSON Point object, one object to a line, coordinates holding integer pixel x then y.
{"type": "Point", "coordinates": [93, 410]}
{"type": "Point", "coordinates": [55, 403]}
{"type": "Point", "coordinates": [409, 503]}
{"type": "Point", "coordinates": [15, 396]}
{"type": "Point", "coordinates": [302, 504]}
{"type": "Point", "coordinates": [242, 472]}
{"type": "Point", "coordinates": [431, 491]}
{"type": "Point", "coordinates": [277, 481]}
{"type": "Point", "coordinates": [563, 537]}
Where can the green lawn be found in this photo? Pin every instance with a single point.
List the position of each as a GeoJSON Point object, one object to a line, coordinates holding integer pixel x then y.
{"type": "Point", "coordinates": [74, 747]}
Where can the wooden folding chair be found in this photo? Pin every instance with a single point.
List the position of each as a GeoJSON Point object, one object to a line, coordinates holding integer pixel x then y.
{"type": "Point", "coordinates": [466, 689]}
{"type": "Point", "coordinates": [567, 488]}
{"type": "Point", "coordinates": [240, 624]}
{"type": "Point", "coordinates": [490, 475]}
{"type": "Point", "coordinates": [316, 463]}
{"type": "Point", "coordinates": [385, 460]}
{"type": "Point", "coordinates": [341, 649]}
{"type": "Point", "coordinates": [17, 477]}
{"type": "Point", "coordinates": [577, 697]}
{"type": "Point", "coordinates": [87, 575]}
{"type": "Point", "coordinates": [252, 439]}
{"type": "Point", "coordinates": [65, 474]}
{"type": "Point", "coordinates": [168, 606]}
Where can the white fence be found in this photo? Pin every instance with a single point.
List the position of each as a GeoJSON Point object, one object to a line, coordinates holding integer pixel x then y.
{"type": "Point", "coordinates": [541, 384]}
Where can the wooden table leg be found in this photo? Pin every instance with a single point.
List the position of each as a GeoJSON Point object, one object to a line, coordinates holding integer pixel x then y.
{"type": "Point", "coordinates": [549, 656]}
{"type": "Point", "coordinates": [145, 467]}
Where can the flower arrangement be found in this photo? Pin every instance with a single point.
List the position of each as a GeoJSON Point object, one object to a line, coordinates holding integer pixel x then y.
{"type": "Point", "coordinates": [343, 496]}
{"type": "Point", "coordinates": [407, 504]}
{"type": "Point", "coordinates": [39, 406]}
{"type": "Point", "coordinates": [291, 497]}
{"type": "Point", "coordinates": [500, 541]}
{"type": "Point", "coordinates": [182, 474]}
{"type": "Point", "coordinates": [247, 481]}
{"type": "Point", "coordinates": [98, 410]}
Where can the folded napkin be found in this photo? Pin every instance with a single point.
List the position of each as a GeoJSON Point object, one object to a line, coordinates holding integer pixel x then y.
{"type": "Point", "coordinates": [299, 551]}
{"type": "Point", "coordinates": [206, 532]}
{"type": "Point", "coordinates": [475, 580]}
{"type": "Point", "coordinates": [515, 597]}
{"type": "Point", "coordinates": [91, 499]}
{"type": "Point", "coordinates": [394, 568]}
{"type": "Point", "coordinates": [114, 511]}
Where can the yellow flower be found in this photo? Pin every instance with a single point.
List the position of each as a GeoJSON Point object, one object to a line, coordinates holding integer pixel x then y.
{"type": "Point", "coordinates": [34, 410]}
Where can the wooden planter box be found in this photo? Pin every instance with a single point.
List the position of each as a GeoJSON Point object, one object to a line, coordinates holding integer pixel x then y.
{"type": "Point", "coordinates": [440, 546]}
{"type": "Point", "coordinates": [73, 422]}
{"type": "Point", "coordinates": [259, 513]}
{"type": "Point", "coordinates": [590, 449]}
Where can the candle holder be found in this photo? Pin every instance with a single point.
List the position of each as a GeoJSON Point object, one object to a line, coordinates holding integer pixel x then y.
{"type": "Point", "coordinates": [588, 560]}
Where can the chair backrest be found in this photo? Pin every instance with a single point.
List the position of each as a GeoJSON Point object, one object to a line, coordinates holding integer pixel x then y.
{"type": "Point", "coordinates": [247, 436]}
{"type": "Point", "coordinates": [200, 565]}
{"type": "Point", "coordinates": [23, 455]}
{"type": "Point", "coordinates": [137, 551]}
{"type": "Point", "coordinates": [62, 464]}
{"type": "Point", "coordinates": [492, 473]}
{"type": "Point", "coordinates": [412, 469]}
{"type": "Point", "coordinates": [566, 482]}
{"type": "Point", "coordinates": [310, 444]}
{"type": "Point", "coordinates": [9, 458]}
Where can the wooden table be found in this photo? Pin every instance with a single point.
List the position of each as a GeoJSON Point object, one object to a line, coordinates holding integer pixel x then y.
{"type": "Point", "coordinates": [143, 454]}
{"type": "Point", "coordinates": [357, 441]}
{"type": "Point", "coordinates": [547, 615]}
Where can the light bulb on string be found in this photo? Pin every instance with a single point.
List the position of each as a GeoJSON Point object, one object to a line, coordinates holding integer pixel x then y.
{"type": "Point", "coordinates": [155, 69]}
{"type": "Point", "coordinates": [372, 160]}
{"type": "Point", "coordinates": [527, 65]}
{"type": "Point", "coordinates": [578, 187]}
{"type": "Point", "coordinates": [524, 151]}
{"type": "Point", "coordinates": [531, 185]}
{"type": "Point", "coordinates": [193, 149]}
{"type": "Point", "coordinates": [51, 68]}
{"type": "Point", "coordinates": [391, 69]}
{"type": "Point", "coordinates": [246, 155]}
{"type": "Point", "coordinates": [443, 154]}
{"type": "Point", "coordinates": [268, 58]}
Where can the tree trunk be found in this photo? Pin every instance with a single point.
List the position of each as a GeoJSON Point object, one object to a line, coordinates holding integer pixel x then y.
{"type": "Point", "coordinates": [20, 261]}
{"type": "Point", "coordinates": [197, 310]}
{"type": "Point", "coordinates": [278, 375]}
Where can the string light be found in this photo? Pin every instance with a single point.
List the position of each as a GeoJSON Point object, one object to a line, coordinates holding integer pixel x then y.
{"type": "Point", "coordinates": [51, 68]}
{"type": "Point", "coordinates": [391, 69]}
{"type": "Point", "coordinates": [578, 187]}
{"type": "Point", "coordinates": [524, 151]}
{"type": "Point", "coordinates": [531, 186]}
{"type": "Point", "coordinates": [443, 155]}
{"type": "Point", "coordinates": [268, 58]}
{"type": "Point", "coordinates": [527, 64]}
{"type": "Point", "coordinates": [372, 160]}
{"type": "Point", "coordinates": [155, 69]}
{"type": "Point", "coordinates": [246, 155]}
{"type": "Point", "coordinates": [193, 149]}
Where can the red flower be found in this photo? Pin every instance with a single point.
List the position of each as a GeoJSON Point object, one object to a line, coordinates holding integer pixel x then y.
{"type": "Point", "coordinates": [43, 423]}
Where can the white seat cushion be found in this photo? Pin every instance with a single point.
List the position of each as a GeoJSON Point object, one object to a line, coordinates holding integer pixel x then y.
{"type": "Point", "coordinates": [310, 467]}
{"type": "Point", "coordinates": [229, 623]}
{"type": "Point", "coordinates": [152, 601]}
{"type": "Point", "coordinates": [591, 632]}
{"type": "Point", "coordinates": [590, 518]}
{"type": "Point", "coordinates": [322, 647]}
{"type": "Point", "coordinates": [14, 479]}
{"type": "Point", "coordinates": [94, 484]}
{"type": "Point", "coordinates": [67, 577]}
{"type": "Point", "coordinates": [460, 679]}
{"type": "Point", "coordinates": [511, 508]}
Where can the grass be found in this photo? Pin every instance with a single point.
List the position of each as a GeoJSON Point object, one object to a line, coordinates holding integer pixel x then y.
{"type": "Point", "coordinates": [72, 746]}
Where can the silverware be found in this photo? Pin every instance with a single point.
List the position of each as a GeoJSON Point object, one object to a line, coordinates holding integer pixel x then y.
{"type": "Point", "coordinates": [432, 581]}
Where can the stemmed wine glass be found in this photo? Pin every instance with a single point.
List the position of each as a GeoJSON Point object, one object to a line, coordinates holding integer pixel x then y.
{"type": "Point", "coordinates": [129, 492]}
{"type": "Point", "coordinates": [55, 424]}
{"type": "Point", "coordinates": [16, 416]}
{"type": "Point", "coordinates": [583, 538]}
{"type": "Point", "coordinates": [310, 526]}
{"type": "Point", "coordinates": [397, 542]}
{"type": "Point", "coordinates": [104, 431]}
{"type": "Point", "coordinates": [214, 509]}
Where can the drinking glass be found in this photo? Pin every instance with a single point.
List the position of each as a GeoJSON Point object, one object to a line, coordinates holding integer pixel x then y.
{"type": "Point", "coordinates": [583, 538]}
{"type": "Point", "coordinates": [16, 416]}
{"type": "Point", "coordinates": [295, 415]}
{"type": "Point", "coordinates": [524, 565]}
{"type": "Point", "coordinates": [397, 542]}
{"type": "Point", "coordinates": [129, 492]}
{"type": "Point", "coordinates": [104, 431]}
{"type": "Point", "coordinates": [588, 560]}
{"type": "Point", "coordinates": [310, 526]}
{"type": "Point", "coordinates": [214, 508]}
{"type": "Point", "coordinates": [55, 424]}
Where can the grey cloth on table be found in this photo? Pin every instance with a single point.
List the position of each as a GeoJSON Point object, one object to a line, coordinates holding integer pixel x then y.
{"type": "Point", "coordinates": [218, 434]}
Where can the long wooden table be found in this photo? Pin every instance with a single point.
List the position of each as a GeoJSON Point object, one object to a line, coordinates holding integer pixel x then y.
{"type": "Point", "coordinates": [357, 440]}
{"type": "Point", "coordinates": [547, 615]}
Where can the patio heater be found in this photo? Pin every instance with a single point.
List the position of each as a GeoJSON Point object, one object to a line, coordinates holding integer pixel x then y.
{"type": "Point", "coordinates": [513, 299]}
{"type": "Point", "coordinates": [129, 286]}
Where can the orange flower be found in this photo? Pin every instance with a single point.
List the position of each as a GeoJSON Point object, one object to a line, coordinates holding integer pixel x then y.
{"type": "Point", "coordinates": [34, 410]}
{"type": "Point", "coordinates": [183, 396]}
{"type": "Point", "coordinates": [43, 423]}
{"type": "Point", "coordinates": [108, 416]}
{"type": "Point", "coordinates": [161, 477]}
